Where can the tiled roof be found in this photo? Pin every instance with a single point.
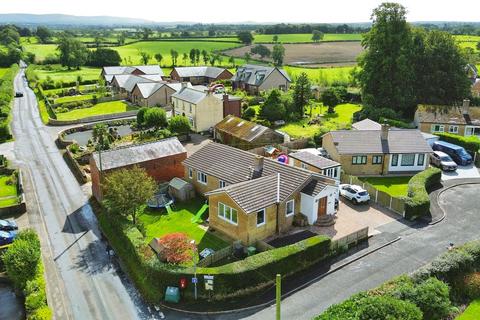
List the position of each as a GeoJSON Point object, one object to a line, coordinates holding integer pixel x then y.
{"type": "Point", "coordinates": [370, 142]}
{"type": "Point", "coordinates": [129, 155]}
{"type": "Point", "coordinates": [367, 124]}
{"type": "Point", "coordinates": [447, 115]}
{"type": "Point", "coordinates": [204, 71]}
{"type": "Point", "coordinates": [235, 166]}
{"type": "Point", "coordinates": [190, 95]}
{"type": "Point", "coordinates": [148, 69]}
{"type": "Point", "coordinates": [241, 129]}
{"type": "Point", "coordinates": [314, 160]}
{"type": "Point", "coordinates": [128, 81]}
{"type": "Point", "coordinates": [256, 74]}
{"type": "Point", "coordinates": [149, 88]}
{"type": "Point", "coordinates": [315, 186]}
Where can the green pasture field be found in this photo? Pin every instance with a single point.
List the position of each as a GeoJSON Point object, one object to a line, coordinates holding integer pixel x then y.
{"type": "Point", "coordinates": [322, 76]}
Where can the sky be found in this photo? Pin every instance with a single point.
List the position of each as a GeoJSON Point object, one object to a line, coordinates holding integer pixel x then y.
{"type": "Point", "coordinates": [317, 11]}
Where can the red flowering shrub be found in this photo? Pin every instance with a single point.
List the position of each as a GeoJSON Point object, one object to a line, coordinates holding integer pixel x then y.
{"type": "Point", "coordinates": [176, 248]}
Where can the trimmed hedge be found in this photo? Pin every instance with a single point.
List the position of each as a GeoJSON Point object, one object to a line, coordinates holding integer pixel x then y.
{"type": "Point", "coordinates": [6, 96]}
{"type": "Point", "coordinates": [235, 279]}
{"type": "Point", "coordinates": [471, 144]}
{"type": "Point", "coordinates": [417, 203]}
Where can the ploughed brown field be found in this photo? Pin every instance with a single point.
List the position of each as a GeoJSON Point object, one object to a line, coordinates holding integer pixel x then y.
{"type": "Point", "coordinates": [321, 54]}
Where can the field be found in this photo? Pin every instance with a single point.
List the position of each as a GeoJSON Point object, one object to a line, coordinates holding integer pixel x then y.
{"type": "Point", "coordinates": [305, 37]}
{"type": "Point", "coordinates": [321, 54]}
{"type": "Point", "coordinates": [340, 119]}
{"type": "Point", "coordinates": [58, 73]}
{"type": "Point", "coordinates": [98, 109]}
{"type": "Point", "coordinates": [322, 76]}
{"type": "Point", "coordinates": [394, 186]}
{"type": "Point", "coordinates": [41, 51]}
{"type": "Point", "coordinates": [472, 311]}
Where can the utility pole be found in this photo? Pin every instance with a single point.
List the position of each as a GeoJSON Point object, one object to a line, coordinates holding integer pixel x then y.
{"type": "Point", "coordinates": [278, 290]}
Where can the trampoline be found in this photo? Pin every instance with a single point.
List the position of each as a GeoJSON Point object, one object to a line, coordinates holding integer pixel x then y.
{"type": "Point", "coordinates": [160, 200]}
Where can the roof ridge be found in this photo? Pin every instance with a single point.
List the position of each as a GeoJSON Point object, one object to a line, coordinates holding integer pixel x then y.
{"type": "Point", "coordinates": [138, 144]}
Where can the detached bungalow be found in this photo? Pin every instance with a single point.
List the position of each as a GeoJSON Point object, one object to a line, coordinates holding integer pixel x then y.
{"type": "Point", "coordinates": [123, 84]}
{"type": "Point", "coordinates": [200, 75]}
{"type": "Point", "coordinates": [464, 120]}
{"type": "Point", "coordinates": [161, 159]}
{"type": "Point", "coordinates": [255, 78]}
{"type": "Point", "coordinates": [245, 135]}
{"type": "Point", "coordinates": [203, 108]}
{"type": "Point", "coordinates": [109, 72]}
{"type": "Point", "coordinates": [251, 197]}
{"type": "Point", "coordinates": [378, 152]}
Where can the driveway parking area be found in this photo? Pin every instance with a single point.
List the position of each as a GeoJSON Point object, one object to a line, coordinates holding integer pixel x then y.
{"type": "Point", "coordinates": [197, 141]}
{"type": "Point", "coordinates": [462, 172]}
{"type": "Point", "coordinates": [352, 218]}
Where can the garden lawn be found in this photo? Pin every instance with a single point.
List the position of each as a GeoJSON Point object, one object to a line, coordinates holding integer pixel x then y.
{"type": "Point", "coordinates": [74, 98]}
{"type": "Point", "coordinates": [394, 186]}
{"type": "Point", "coordinates": [305, 37]}
{"type": "Point", "coordinates": [59, 73]}
{"type": "Point", "coordinates": [159, 223]}
{"type": "Point", "coordinates": [342, 118]}
{"type": "Point", "coordinates": [323, 76]}
{"type": "Point", "coordinates": [97, 110]}
{"type": "Point", "coordinates": [5, 189]}
{"type": "Point", "coordinates": [472, 312]}
{"type": "Point", "coordinates": [3, 71]}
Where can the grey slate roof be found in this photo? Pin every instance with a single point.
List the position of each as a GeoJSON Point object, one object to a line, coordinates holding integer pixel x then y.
{"type": "Point", "coordinates": [204, 71]}
{"type": "Point", "coordinates": [110, 71]}
{"type": "Point", "coordinates": [128, 81]}
{"type": "Point", "coordinates": [256, 74]}
{"type": "Point", "coordinates": [315, 186]}
{"type": "Point", "coordinates": [124, 156]}
{"type": "Point", "coordinates": [370, 142]}
{"type": "Point", "coordinates": [234, 166]}
{"type": "Point", "coordinates": [148, 88]}
{"type": "Point", "coordinates": [314, 160]}
{"type": "Point", "coordinates": [367, 124]}
{"type": "Point", "coordinates": [190, 95]}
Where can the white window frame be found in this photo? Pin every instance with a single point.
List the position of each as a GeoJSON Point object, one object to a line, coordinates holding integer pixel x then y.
{"type": "Point", "coordinates": [303, 166]}
{"type": "Point", "coordinates": [404, 156]}
{"type": "Point", "coordinates": [227, 210]}
{"type": "Point", "coordinates": [396, 157]}
{"type": "Point", "coordinates": [264, 212]}
{"type": "Point", "coordinates": [420, 156]}
{"type": "Point", "coordinates": [222, 184]}
{"type": "Point", "coordinates": [293, 208]}
{"type": "Point", "coordinates": [201, 174]}
{"type": "Point", "coordinates": [441, 128]}
{"type": "Point", "coordinates": [453, 129]}
{"type": "Point", "coordinates": [190, 173]}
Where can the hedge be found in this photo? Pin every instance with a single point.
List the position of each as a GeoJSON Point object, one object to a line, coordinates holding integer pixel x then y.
{"type": "Point", "coordinates": [6, 96]}
{"type": "Point", "coordinates": [235, 279]}
{"type": "Point", "coordinates": [417, 203]}
{"type": "Point", "coordinates": [471, 144]}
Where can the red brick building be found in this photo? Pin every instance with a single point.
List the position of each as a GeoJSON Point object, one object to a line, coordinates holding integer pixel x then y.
{"type": "Point", "coordinates": [161, 159]}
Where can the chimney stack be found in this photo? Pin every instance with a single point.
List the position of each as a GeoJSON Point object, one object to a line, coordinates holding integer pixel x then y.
{"type": "Point", "coordinates": [465, 106]}
{"type": "Point", "coordinates": [184, 84]}
{"type": "Point", "coordinates": [384, 134]}
{"type": "Point", "coordinates": [258, 165]}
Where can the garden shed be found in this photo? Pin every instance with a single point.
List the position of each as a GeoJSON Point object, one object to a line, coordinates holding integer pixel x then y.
{"type": "Point", "coordinates": [157, 247]}
{"type": "Point", "coordinates": [181, 190]}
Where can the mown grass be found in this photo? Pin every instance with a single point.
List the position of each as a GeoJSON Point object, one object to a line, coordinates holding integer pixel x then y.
{"type": "Point", "coordinates": [3, 71]}
{"type": "Point", "coordinates": [159, 223]}
{"type": "Point", "coordinates": [305, 37]}
{"type": "Point", "coordinates": [394, 186]}
{"type": "Point", "coordinates": [6, 189]}
{"type": "Point", "coordinates": [97, 110]}
{"type": "Point", "coordinates": [74, 98]}
{"type": "Point", "coordinates": [323, 76]}
{"type": "Point", "coordinates": [41, 51]}
{"type": "Point", "coordinates": [342, 118]}
{"type": "Point", "coordinates": [42, 108]}
{"type": "Point", "coordinates": [59, 73]}
{"type": "Point", "coordinates": [472, 312]}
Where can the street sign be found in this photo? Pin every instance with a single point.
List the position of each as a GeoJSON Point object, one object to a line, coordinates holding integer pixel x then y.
{"type": "Point", "coordinates": [208, 282]}
{"type": "Point", "coordinates": [194, 280]}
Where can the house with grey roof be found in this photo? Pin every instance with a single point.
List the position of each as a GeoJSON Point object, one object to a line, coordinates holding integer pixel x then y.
{"type": "Point", "coordinates": [252, 198]}
{"type": "Point", "coordinates": [306, 159]}
{"type": "Point", "coordinates": [110, 71]}
{"type": "Point", "coordinates": [204, 108]}
{"type": "Point", "coordinates": [378, 152]}
{"type": "Point", "coordinates": [202, 75]}
{"type": "Point", "coordinates": [147, 94]}
{"type": "Point", "coordinates": [245, 135]}
{"type": "Point", "coordinates": [161, 159]}
{"type": "Point", "coordinates": [256, 78]}
{"type": "Point", "coordinates": [123, 84]}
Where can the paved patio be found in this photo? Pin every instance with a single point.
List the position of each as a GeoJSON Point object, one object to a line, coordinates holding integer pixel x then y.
{"type": "Point", "coordinates": [462, 172]}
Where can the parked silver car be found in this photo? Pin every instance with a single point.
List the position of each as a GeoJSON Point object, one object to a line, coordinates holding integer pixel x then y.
{"type": "Point", "coordinates": [443, 161]}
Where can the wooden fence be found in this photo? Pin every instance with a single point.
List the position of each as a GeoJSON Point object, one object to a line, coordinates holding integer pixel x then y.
{"type": "Point", "coordinates": [385, 200]}
{"type": "Point", "coordinates": [216, 256]}
{"type": "Point", "coordinates": [350, 239]}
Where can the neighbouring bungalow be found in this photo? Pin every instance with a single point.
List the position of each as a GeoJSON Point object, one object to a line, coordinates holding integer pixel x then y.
{"type": "Point", "coordinates": [464, 120]}
{"type": "Point", "coordinates": [204, 108]}
{"type": "Point", "coordinates": [109, 72]}
{"type": "Point", "coordinates": [316, 163]}
{"type": "Point", "coordinates": [366, 124]}
{"type": "Point", "coordinates": [252, 198]}
{"type": "Point", "coordinates": [200, 75]}
{"type": "Point", "coordinates": [161, 159]}
{"type": "Point", "coordinates": [255, 78]}
{"type": "Point", "coordinates": [378, 152]}
{"type": "Point", "coordinates": [147, 94]}
{"type": "Point", "coordinates": [123, 84]}
{"type": "Point", "coordinates": [245, 135]}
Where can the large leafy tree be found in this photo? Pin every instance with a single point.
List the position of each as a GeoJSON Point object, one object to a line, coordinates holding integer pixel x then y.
{"type": "Point", "coordinates": [261, 50]}
{"type": "Point", "coordinates": [43, 34]}
{"type": "Point", "coordinates": [386, 73]}
{"type": "Point", "coordinates": [103, 57]}
{"type": "Point", "coordinates": [317, 36]}
{"type": "Point", "coordinates": [245, 37]}
{"type": "Point", "coordinates": [330, 99]}
{"type": "Point", "coordinates": [9, 36]}
{"type": "Point", "coordinates": [301, 93]}
{"type": "Point", "coordinates": [72, 52]}
{"type": "Point", "coordinates": [273, 108]}
{"type": "Point", "coordinates": [179, 124]}
{"type": "Point", "coordinates": [278, 54]}
{"type": "Point", "coordinates": [101, 137]}
{"type": "Point", "coordinates": [155, 117]}
{"type": "Point", "coordinates": [127, 190]}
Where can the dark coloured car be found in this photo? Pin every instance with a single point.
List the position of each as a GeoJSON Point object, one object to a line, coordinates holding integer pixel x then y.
{"type": "Point", "coordinates": [7, 237]}
{"type": "Point", "coordinates": [8, 225]}
{"type": "Point", "coordinates": [457, 153]}
{"type": "Point", "coordinates": [18, 94]}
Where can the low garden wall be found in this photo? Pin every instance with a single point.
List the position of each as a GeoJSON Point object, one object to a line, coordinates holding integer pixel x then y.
{"type": "Point", "coordinates": [349, 240]}
{"type": "Point", "coordinates": [21, 206]}
{"type": "Point", "coordinates": [55, 122]}
{"type": "Point", "coordinates": [75, 167]}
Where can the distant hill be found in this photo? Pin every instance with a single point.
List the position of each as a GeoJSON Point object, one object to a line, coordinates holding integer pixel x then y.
{"type": "Point", "coordinates": [64, 20]}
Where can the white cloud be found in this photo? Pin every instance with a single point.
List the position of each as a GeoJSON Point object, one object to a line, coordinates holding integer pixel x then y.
{"type": "Point", "coordinates": [248, 10]}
